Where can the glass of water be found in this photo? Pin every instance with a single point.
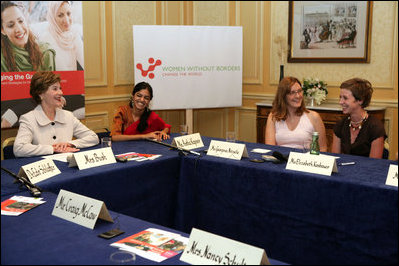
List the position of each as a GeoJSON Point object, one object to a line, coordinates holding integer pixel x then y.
{"type": "Point", "coordinates": [183, 130]}
{"type": "Point", "coordinates": [230, 136]}
{"type": "Point", "coordinates": [106, 142]}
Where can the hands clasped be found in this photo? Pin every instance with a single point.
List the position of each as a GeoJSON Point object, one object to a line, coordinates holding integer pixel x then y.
{"type": "Point", "coordinates": [158, 135]}
{"type": "Point", "coordinates": [64, 147]}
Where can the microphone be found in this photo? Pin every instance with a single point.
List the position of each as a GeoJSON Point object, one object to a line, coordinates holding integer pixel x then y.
{"type": "Point", "coordinates": [181, 150]}
{"type": "Point", "coordinates": [34, 190]}
{"type": "Point", "coordinates": [280, 157]}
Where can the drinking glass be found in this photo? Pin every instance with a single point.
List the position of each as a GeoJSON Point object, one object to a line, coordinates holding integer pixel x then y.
{"type": "Point", "coordinates": [122, 257]}
{"type": "Point", "coordinates": [230, 136]}
{"type": "Point", "coordinates": [106, 142]}
{"type": "Point", "coordinates": [306, 146]}
{"type": "Point", "coordinates": [183, 130]}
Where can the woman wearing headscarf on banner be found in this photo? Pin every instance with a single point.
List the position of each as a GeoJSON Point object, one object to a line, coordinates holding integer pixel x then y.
{"type": "Point", "coordinates": [63, 36]}
{"type": "Point", "coordinates": [136, 120]}
{"type": "Point", "coordinates": [48, 129]}
{"type": "Point", "coordinates": [19, 49]}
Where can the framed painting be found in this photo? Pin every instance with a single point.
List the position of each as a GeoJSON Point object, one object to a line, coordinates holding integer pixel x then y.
{"type": "Point", "coordinates": [329, 31]}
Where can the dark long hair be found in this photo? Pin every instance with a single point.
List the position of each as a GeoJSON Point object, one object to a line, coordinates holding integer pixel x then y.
{"type": "Point", "coordinates": [31, 46]}
{"type": "Point", "coordinates": [144, 117]}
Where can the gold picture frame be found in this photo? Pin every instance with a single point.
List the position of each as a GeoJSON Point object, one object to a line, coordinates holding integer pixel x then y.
{"type": "Point", "coordinates": [329, 31]}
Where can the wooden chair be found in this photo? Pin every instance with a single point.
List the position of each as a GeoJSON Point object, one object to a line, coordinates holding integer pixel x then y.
{"type": "Point", "coordinates": [7, 147]}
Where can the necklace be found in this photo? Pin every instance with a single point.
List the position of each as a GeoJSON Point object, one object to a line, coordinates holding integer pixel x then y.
{"type": "Point", "coordinates": [358, 124]}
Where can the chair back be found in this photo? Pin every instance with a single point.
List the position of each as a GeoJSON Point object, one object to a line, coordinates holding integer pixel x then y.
{"type": "Point", "coordinates": [103, 133]}
{"type": "Point", "coordinates": [7, 147]}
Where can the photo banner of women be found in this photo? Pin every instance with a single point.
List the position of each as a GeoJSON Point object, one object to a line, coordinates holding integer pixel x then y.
{"type": "Point", "coordinates": [190, 66]}
{"type": "Point", "coordinates": [40, 36]}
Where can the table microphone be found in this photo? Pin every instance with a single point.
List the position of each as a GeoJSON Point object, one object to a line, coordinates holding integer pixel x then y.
{"type": "Point", "coordinates": [34, 190]}
{"type": "Point", "coordinates": [279, 156]}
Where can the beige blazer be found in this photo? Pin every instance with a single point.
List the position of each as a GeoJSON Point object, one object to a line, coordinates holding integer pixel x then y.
{"type": "Point", "coordinates": [37, 134]}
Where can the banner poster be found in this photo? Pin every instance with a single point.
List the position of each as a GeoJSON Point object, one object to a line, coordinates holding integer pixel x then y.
{"type": "Point", "coordinates": [190, 66]}
{"type": "Point", "coordinates": [40, 36]}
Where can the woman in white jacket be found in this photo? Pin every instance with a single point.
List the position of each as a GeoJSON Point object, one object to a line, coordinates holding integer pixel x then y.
{"type": "Point", "coordinates": [48, 129]}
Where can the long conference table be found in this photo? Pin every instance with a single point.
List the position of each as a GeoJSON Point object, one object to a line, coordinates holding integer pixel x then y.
{"type": "Point", "coordinates": [350, 217]}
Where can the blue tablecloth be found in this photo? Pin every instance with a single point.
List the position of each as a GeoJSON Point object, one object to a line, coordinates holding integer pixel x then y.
{"type": "Point", "coordinates": [145, 190]}
{"type": "Point", "coordinates": [36, 238]}
{"type": "Point", "coordinates": [350, 217]}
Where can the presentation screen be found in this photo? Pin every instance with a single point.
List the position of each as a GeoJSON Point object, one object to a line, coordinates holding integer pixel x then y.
{"type": "Point", "coordinates": [190, 67]}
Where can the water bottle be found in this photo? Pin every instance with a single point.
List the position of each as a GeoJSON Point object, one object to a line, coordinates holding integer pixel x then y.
{"type": "Point", "coordinates": [314, 146]}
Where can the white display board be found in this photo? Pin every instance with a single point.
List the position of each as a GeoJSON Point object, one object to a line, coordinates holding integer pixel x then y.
{"type": "Point", "coordinates": [190, 67]}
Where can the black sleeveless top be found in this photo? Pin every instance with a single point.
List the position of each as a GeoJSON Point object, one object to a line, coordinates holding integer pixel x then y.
{"type": "Point", "coordinates": [371, 129]}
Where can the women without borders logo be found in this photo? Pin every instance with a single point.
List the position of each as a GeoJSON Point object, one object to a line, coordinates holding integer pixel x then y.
{"type": "Point", "coordinates": [150, 68]}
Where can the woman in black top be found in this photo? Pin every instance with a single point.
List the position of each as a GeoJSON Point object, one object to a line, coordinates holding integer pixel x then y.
{"type": "Point", "coordinates": [359, 133]}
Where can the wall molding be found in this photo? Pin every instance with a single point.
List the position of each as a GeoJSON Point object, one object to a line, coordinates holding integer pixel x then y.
{"type": "Point", "coordinates": [107, 98]}
{"type": "Point", "coordinates": [259, 46]}
{"type": "Point", "coordinates": [100, 80]}
{"type": "Point", "coordinates": [389, 103]}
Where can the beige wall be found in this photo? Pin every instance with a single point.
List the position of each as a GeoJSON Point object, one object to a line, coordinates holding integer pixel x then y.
{"type": "Point", "coordinates": [109, 74]}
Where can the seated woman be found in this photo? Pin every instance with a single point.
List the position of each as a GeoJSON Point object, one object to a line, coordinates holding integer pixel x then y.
{"type": "Point", "coordinates": [359, 133]}
{"type": "Point", "coordinates": [289, 123]}
{"type": "Point", "coordinates": [48, 129]}
{"type": "Point", "coordinates": [136, 120]}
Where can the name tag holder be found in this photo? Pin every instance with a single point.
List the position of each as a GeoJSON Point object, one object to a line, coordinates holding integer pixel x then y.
{"type": "Point", "coordinates": [228, 150]}
{"type": "Point", "coordinates": [316, 164]}
{"type": "Point", "coordinates": [204, 248]}
{"type": "Point", "coordinates": [80, 209]}
{"type": "Point", "coordinates": [91, 158]}
{"type": "Point", "coordinates": [392, 176]}
{"type": "Point", "coordinates": [39, 171]}
{"type": "Point", "coordinates": [188, 142]}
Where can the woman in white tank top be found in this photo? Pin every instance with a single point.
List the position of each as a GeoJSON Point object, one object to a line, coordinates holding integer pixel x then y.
{"type": "Point", "coordinates": [289, 123]}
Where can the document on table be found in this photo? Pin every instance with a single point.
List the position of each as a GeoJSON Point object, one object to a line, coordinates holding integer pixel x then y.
{"type": "Point", "coordinates": [62, 157]}
{"type": "Point", "coordinates": [257, 150]}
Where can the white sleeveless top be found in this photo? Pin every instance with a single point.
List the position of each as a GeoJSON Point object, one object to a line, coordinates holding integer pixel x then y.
{"type": "Point", "coordinates": [296, 138]}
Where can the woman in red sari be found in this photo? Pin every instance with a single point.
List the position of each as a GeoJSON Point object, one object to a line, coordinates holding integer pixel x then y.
{"type": "Point", "coordinates": [136, 120]}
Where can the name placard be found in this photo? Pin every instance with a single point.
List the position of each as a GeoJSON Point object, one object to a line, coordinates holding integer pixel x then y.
{"type": "Point", "coordinates": [229, 150]}
{"type": "Point", "coordinates": [92, 158]}
{"type": "Point", "coordinates": [316, 164]}
{"type": "Point", "coordinates": [80, 209]}
{"type": "Point", "coordinates": [188, 142]}
{"type": "Point", "coordinates": [204, 248]}
{"type": "Point", "coordinates": [392, 177]}
{"type": "Point", "coordinates": [39, 171]}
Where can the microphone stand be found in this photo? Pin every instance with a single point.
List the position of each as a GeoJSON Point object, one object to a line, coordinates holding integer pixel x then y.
{"type": "Point", "coordinates": [34, 190]}
{"type": "Point", "coordinates": [183, 151]}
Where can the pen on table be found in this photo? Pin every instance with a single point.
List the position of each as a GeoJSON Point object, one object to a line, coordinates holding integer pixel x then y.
{"type": "Point", "coordinates": [348, 163]}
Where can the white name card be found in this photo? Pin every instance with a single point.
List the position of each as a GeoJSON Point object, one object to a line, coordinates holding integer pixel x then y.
{"type": "Point", "coordinates": [188, 142]}
{"type": "Point", "coordinates": [39, 171]}
{"type": "Point", "coordinates": [204, 248]}
{"type": "Point", "coordinates": [80, 209]}
{"type": "Point", "coordinates": [92, 158]}
{"type": "Point", "coordinates": [316, 164]}
{"type": "Point", "coordinates": [392, 177]}
{"type": "Point", "coordinates": [229, 150]}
